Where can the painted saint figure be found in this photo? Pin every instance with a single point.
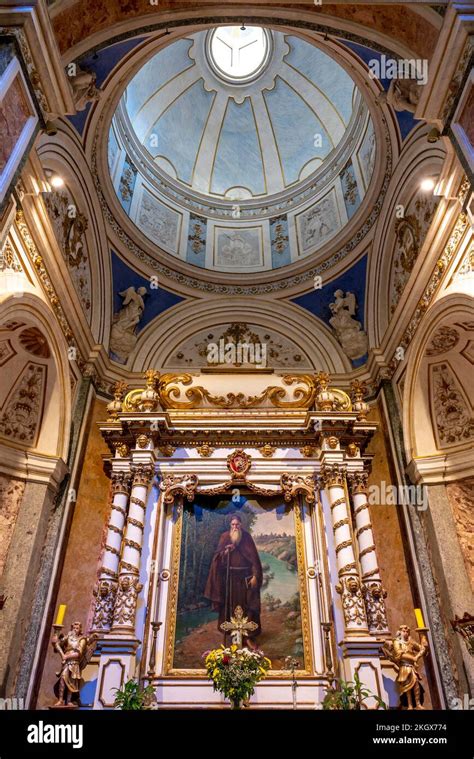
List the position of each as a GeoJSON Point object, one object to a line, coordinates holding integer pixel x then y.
{"type": "Point", "coordinates": [235, 577]}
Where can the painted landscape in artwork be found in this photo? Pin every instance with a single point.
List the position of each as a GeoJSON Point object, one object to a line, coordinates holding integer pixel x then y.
{"type": "Point", "coordinates": [271, 527]}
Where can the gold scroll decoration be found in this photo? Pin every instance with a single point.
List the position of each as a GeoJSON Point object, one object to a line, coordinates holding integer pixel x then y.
{"type": "Point", "coordinates": [170, 391]}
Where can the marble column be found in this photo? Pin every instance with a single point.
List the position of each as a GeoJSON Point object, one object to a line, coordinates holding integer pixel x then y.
{"type": "Point", "coordinates": [106, 589]}
{"type": "Point", "coordinates": [128, 583]}
{"type": "Point", "coordinates": [349, 585]}
{"type": "Point", "coordinates": [372, 589]}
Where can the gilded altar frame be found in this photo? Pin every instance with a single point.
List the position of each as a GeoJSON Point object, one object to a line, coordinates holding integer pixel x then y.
{"type": "Point", "coordinates": [297, 505]}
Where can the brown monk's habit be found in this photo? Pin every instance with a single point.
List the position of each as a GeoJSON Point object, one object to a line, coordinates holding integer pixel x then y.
{"type": "Point", "coordinates": [244, 562]}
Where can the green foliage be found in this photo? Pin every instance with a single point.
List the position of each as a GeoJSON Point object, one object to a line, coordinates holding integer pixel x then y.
{"type": "Point", "coordinates": [347, 695]}
{"type": "Point", "coordinates": [132, 697]}
{"type": "Point", "coordinates": [271, 602]}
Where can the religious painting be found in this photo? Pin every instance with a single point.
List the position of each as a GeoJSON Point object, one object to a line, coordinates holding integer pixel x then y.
{"type": "Point", "coordinates": [367, 153]}
{"type": "Point", "coordinates": [247, 554]}
{"type": "Point", "coordinates": [318, 223]}
{"type": "Point", "coordinates": [238, 248]}
{"type": "Point", "coordinates": [158, 222]}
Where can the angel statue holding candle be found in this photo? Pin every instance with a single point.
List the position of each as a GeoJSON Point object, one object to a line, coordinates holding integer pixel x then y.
{"type": "Point", "coordinates": [76, 651]}
{"type": "Point", "coordinates": [405, 653]}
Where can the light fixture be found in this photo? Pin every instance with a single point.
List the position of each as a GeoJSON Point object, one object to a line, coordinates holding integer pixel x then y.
{"type": "Point", "coordinates": [56, 181]}
{"type": "Point", "coordinates": [427, 185]}
{"type": "Point", "coordinates": [433, 135]}
{"type": "Point", "coordinates": [242, 28]}
{"type": "Point", "coordinates": [51, 128]}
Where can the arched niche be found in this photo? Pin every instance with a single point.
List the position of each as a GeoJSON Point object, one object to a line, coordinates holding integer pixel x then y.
{"type": "Point", "coordinates": [438, 413]}
{"type": "Point", "coordinates": [35, 421]}
{"type": "Point", "coordinates": [35, 398]}
{"type": "Point", "coordinates": [76, 228]}
{"type": "Point", "coordinates": [162, 339]}
{"type": "Point", "coordinates": [406, 232]}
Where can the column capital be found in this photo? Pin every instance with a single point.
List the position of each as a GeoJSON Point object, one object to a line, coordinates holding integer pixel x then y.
{"type": "Point", "coordinates": [331, 475]}
{"type": "Point", "coordinates": [143, 474]}
{"type": "Point", "coordinates": [121, 482]}
{"type": "Point", "coordinates": [358, 482]}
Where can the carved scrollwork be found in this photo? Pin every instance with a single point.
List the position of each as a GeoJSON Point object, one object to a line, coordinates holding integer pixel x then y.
{"type": "Point", "coordinates": [353, 606]}
{"type": "Point", "coordinates": [104, 592]}
{"type": "Point", "coordinates": [175, 391]}
{"type": "Point", "coordinates": [173, 485]}
{"type": "Point", "coordinates": [298, 484]}
{"type": "Point", "coordinates": [126, 601]}
{"type": "Point", "coordinates": [374, 595]}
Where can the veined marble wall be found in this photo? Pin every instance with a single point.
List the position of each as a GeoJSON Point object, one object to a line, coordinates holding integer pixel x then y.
{"type": "Point", "coordinates": [11, 494]}
{"type": "Point", "coordinates": [389, 542]}
{"type": "Point", "coordinates": [461, 497]}
{"type": "Point", "coordinates": [83, 547]}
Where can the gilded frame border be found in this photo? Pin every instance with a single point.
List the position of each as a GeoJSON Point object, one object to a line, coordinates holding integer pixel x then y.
{"type": "Point", "coordinates": [172, 604]}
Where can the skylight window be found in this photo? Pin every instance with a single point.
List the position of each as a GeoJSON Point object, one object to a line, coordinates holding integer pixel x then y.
{"type": "Point", "coordinates": [238, 54]}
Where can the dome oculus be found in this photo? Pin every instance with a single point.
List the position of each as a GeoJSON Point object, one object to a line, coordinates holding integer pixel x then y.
{"type": "Point", "coordinates": [238, 55]}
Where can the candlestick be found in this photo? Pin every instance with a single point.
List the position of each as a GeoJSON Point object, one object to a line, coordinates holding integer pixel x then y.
{"type": "Point", "coordinates": [152, 663]}
{"type": "Point", "coordinates": [327, 646]}
{"type": "Point", "coordinates": [420, 622]}
{"type": "Point", "coordinates": [61, 614]}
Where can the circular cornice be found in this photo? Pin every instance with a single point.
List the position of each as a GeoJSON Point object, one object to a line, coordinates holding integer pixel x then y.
{"type": "Point", "coordinates": [342, 250]}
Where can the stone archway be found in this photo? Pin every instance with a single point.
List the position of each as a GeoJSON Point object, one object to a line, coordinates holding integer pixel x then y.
{"type": "Point", "coordinates": [34, 440]}
{"type": "Point", "coordinates": [439, 433]}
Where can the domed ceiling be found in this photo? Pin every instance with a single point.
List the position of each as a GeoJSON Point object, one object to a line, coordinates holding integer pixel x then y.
{"type": "Point", "coordinates": [241, 149]}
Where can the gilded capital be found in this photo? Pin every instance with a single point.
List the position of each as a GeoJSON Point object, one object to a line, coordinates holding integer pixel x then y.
{"type": "Point", "coordinates": [358, 482]}
{"type": "Point", "coordinates": [143, 474]}
{"type": "Point", "coordinates": [331, 476]}
{"type": "Point", "coordinates": [121, 482]}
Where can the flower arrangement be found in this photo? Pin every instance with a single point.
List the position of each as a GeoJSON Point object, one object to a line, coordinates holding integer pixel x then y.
{"type": "Point", "coordinates": [235, 671]}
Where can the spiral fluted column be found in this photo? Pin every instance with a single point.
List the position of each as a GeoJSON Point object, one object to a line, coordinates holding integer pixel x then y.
{"type": "Point", "coordinates": [106, 589]}
{"type": "Point", "coordinates": [349, 585]}
{"type": "Point", "coordinates": [372, 589]}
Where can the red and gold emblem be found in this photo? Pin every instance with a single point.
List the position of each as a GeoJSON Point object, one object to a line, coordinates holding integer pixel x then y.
{"type": "Point", "coordinates": [238, 464]}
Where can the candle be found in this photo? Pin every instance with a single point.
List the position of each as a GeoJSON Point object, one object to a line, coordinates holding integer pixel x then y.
{"type": "Point", "coordinates": [61, 613]}
{"type": "Point", "coordinates": [420, 622]}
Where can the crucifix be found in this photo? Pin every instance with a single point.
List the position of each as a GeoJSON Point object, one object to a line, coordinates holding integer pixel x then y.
{"type": "Point", "coordinates": [239, 626]}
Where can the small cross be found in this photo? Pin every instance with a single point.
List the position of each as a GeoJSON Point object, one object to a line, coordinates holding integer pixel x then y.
{"type": "Point", "coordinates": [239, 626]}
